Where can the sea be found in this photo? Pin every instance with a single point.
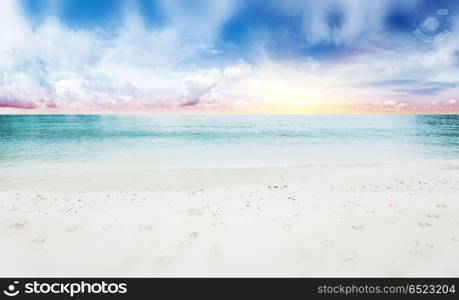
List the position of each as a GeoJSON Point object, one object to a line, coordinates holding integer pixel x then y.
{"type": "Point", "coordinates": [70, 142]}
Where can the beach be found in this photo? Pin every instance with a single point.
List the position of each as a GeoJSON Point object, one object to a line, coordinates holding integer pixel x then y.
{"type": "Point", "coordinates": [326, 219]}
{"type": "Point", "coordinates": [229, 139]}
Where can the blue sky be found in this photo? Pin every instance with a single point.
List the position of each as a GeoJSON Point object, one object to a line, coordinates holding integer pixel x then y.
{"type": "Point", "coordinates": [230, 55]}
{"type": "Point", "coordinates": [284, 28]}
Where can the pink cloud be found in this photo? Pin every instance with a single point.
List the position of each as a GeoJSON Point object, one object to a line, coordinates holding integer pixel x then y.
{"type": "Point", "coordinates": [13, 103]}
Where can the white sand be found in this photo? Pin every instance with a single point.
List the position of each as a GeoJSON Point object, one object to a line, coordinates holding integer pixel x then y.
{"type": "Point", "coordinates": [324, 220]}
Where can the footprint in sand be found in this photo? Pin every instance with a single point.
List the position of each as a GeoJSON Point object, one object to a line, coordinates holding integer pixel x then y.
{"type": "Point", "coordinates": [193, 212]}
{"type": "Point", "coordinates": [38, 240]}
{"type": "Point", "coordinates": [433, 216]}
{"type": "Point", "coordinates": [72, 228]}
{"type": "Point", "coordinates": [358, 227]}
{"type": "Point", "coordinates": [164, 259]}
{"type": "Point", "coordinates": [148, 227]}
{"type": "Point", "coordinates": [348, 259]}
{"type": "Point", "coordinates": [277, 186]}
{"type": "Point", "coordinates": [419, 254]}
{"type": "Point", "coordinates": [286, 226]}
{"type": "Point", "coordinates": [185, 243]}
{"type": "Point", "coordinates": [422, 244]}
{"type": "Point", "coordinates": [327, 243]}
{"type": "Point", "coordinates": [217, 223]}
{"type": "Point", "coordinates": [424, 224]}
{"type": "Point", "coordinates": [17, 226]}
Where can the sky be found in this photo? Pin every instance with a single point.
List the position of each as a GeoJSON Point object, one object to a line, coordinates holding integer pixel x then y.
{"type": "Point", "coordinates": [229, 56]}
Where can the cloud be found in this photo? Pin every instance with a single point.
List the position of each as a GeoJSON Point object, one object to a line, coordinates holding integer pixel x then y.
{"type": "Point", "coordinates": [196, 86]}
{"type": "Point", "coordinates": [200, 19]}
{"type": "Point", "coordinates": [415, 86]}
{"type": "Point", "coordinates": [343, 21]}
{"type": "Point", "coordinates": [52, 66]}
{"type": "Point", "coordinates": [7, 102]}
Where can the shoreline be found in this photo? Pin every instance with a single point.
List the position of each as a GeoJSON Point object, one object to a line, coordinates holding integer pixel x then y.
{"type": "Point", "coordinates": [349, 220]}
{"type": "Point", "coordinates": [76, 171]}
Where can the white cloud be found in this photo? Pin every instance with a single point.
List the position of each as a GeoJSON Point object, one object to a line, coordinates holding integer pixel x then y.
{"type": "Point", "coordinates": [357, 17]}
{"type": "Point", "coordinates": [54, 65]}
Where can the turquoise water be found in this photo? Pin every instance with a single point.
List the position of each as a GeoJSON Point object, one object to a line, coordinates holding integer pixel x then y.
{"type": "Point", "coordinates": [43, 142]}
